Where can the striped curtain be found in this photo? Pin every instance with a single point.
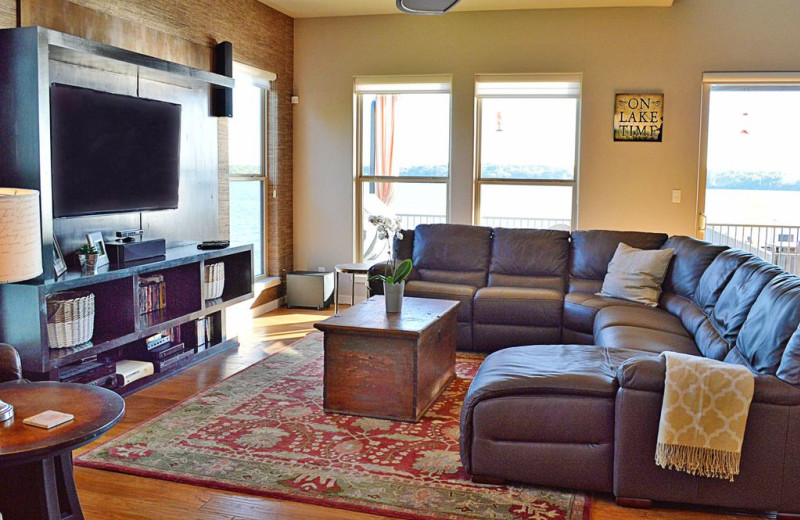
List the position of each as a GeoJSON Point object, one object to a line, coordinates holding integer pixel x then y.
{"type": "Point", "coordinates": [385, 110]}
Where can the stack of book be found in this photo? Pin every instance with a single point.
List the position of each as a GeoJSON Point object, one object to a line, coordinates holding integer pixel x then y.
{"type": "Point", "coordinates": [152, 293]}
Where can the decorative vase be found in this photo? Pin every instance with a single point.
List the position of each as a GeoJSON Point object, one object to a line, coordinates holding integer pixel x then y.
{"type": "Point", "coordinates": [393, 295]}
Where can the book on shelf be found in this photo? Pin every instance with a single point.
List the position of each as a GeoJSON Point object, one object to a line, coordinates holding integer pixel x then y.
{"type": "Point", "coordinates": [152, 293]}
{"type": "Point", "coordinates": [206, 331]}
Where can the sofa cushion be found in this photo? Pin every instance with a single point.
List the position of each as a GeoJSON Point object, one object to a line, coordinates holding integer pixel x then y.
{"type": "Point", "coordinates": [636, 274]}
{"type": "Point", "coordinates": [691, 316]}
{"type": "Point", "coordinates": [692, 258]}
{"type": "Point", "coordinates": [404, 247]}
{"type": "Point", "coordinates": [737, 298]}
{"type": "Point", "coordinates": [445, 291]}
{"type": "Point", "coordinates": [717, 276]}
{"type": "Point", "coordinates": [592, 250]}
{"type": "Point", "coordinates": [452, 253]}
{"type": "Point", "coordinates": [770, 324]}
{"type": "Point", "coordinates": [518, 306]}
{"type": "Point", "coordinates": [529, 258]}
{"type": "Point", "coordinates": [643, 317]}
{"type": "Point", "coordinates": [568, 369]}
{"type": "Point", "coordinates": [645, 340]}
{"type": "Point", "coordinates": [789, 369]}
{"type": "Point", "coordinates": [580, 309]}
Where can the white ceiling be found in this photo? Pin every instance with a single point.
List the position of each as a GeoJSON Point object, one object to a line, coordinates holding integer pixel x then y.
{"type": "Point", "coordinates": [321, 8]}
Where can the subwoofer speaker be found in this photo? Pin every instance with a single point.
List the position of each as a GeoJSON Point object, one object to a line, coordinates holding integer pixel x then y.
{"type": "Point", "coordinates": [222, 97]}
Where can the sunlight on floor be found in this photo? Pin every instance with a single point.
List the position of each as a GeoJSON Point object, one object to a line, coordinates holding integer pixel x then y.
{"type": "Point", "coordinates": [285, 319]}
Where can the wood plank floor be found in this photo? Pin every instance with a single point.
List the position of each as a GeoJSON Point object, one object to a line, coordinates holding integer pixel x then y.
{"type": "Point", "coordinates": [110, 496]}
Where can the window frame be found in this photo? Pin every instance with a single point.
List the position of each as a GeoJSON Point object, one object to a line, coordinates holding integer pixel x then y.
{"type": "Point", "coordinates": [479, 181]}
{"type": "Point", "coordinates": [732, 80]}
{"type": "Point", "coordinates": [262, 80]}
{"type": "Point", "coordinates": [391, 85]}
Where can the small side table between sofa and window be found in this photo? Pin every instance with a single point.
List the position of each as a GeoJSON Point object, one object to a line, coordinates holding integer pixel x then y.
{"type": "Point", "coordinates": [353, 270]}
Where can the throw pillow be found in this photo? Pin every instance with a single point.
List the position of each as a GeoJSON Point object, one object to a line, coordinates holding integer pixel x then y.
{"type": "Point", "coordinates": [636, 274]}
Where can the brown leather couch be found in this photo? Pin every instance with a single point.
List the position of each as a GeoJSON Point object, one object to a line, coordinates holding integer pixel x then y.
{"type": "Point", "coordinates": [10, 366]}
{"type": "Point", "coordinates": [580, 408]}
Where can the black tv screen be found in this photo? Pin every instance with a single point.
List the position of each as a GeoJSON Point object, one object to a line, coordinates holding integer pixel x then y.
{"type": "Point", "coordinates": [112, 153]}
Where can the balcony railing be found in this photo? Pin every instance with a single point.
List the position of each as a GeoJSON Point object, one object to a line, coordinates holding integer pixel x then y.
{"type": "Point", "coordinates": [531, 223]}
{"type": "Point", "coordinates": [410, 221]}
{"type": "Point", "coordinates": [775, 244]}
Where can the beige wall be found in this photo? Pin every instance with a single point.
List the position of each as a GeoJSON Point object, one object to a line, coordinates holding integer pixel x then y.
{"type": "Point", "coordinates": [621, 185]}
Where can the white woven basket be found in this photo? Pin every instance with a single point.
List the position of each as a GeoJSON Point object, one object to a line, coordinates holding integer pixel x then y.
{"type": "Point", "coordinates": [70, 318]}
{"type": "Point", "coordinates": [213, 281]}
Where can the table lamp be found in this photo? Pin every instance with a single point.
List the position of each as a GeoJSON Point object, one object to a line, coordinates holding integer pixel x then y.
{"type": "Point", "coordinates": [20, 245]}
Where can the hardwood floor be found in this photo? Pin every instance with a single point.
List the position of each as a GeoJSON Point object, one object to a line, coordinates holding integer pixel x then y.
{"type": "Point", "coordinates": [111, 496]}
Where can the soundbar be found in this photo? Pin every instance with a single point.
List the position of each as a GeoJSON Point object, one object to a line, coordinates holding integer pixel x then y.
{"type": "Point", "coordinates": [124, 252]}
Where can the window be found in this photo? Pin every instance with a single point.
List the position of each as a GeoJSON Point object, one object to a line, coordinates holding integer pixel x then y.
{"type": "Point", "coordinates": [750, 178]}
{"type": "Point", "coordinates": [402, 144]}
{"type": "Point", "coordinates": [249, 136]}
{"type": "Point", "coordinates": [526, 150]}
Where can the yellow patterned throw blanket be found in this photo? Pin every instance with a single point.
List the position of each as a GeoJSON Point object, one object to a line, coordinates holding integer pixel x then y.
{"type": "Point", "coordinates": [703, 416]}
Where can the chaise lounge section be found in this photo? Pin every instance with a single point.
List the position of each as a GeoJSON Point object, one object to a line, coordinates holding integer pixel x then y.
{"type": "Point", "coordinates": [582, 411]}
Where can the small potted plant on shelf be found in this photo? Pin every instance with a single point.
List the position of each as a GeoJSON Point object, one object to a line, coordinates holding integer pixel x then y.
{"type": "Point", "coordinates": [87, 255]}
{"type": "Point", "coordinates": [394, 275]}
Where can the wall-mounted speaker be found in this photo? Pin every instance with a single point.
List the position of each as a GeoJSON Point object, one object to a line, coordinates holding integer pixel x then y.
{"type": "Point", "coordinates": [222, 97]}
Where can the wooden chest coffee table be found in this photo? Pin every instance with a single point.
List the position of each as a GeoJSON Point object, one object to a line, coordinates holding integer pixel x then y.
{"type": "Point", "coordinates": [389, 366]}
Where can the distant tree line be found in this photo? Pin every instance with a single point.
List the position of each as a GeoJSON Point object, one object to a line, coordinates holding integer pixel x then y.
{"type": "Point", "coordinates": [749, 180]}
{"type": "Point", "coordinates": [717, 179]}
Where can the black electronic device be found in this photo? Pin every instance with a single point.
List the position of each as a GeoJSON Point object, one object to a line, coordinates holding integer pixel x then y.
{"type": "Point", "coordinates": [126, 252]}
{"type": "Point", "coordinates": [127, 233]}
{"type": "Point", "coordinates": [165, 351]}
{"type": "Point", "coordinates": [214, 244]}
{"type": "Point", "coordinates": [112, 153]}
{"type": "Point", "coordinates": [173, 362]}
{"type": "Point", "coordinates": [85, 372]}
{"type": "Point", "coordinates": [222, 97]}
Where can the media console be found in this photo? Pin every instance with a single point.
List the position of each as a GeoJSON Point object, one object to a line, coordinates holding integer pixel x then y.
{"type": "Point", "coordinates": [120, 327]}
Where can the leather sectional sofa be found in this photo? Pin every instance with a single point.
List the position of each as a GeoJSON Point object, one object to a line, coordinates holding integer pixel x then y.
{"type": "Point", "coordinates": [571, 393]}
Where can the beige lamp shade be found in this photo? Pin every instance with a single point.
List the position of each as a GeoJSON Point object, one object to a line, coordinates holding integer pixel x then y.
{"type": "Point", "coordinates": [20, 235]}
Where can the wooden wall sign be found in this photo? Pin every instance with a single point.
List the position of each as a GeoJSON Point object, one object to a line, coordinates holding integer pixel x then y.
{"type": "Point", "coordinates": [638, 117]}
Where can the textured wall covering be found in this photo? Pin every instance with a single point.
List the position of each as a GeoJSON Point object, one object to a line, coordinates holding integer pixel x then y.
{"type": "Point", "coordinates": [8, 13]}
{"type": "Point", "coordinates": [184, 31]}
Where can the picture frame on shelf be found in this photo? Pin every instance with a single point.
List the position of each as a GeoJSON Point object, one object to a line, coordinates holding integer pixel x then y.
{"type": "Point", "coordinates": [59, 265]}
{"type": "Point", "coordinates": [96, 239]}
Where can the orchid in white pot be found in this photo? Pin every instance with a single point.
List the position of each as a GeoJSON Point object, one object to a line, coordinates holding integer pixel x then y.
{"type": "Point", "coordinates": [394, 274]}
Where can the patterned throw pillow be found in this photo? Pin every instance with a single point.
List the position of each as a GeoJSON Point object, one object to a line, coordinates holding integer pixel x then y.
{"type": "Point", "coordinates": [636, 274]}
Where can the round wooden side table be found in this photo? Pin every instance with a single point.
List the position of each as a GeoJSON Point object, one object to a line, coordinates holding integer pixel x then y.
{"type": "Point", "coordinates": [36, 480]}
{"type": "Point", "coordinates": [352, 269]}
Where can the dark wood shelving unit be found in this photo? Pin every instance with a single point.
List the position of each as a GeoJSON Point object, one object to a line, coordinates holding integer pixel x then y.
{"type": "Point", "coordinates": [32, 59]}
{"type": "Point", "coordinates": [118, 325]}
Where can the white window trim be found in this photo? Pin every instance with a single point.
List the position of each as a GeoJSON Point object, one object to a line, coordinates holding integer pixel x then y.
{"type": "Point", "coordinates": [261, 79]}
{"type": "Point", "coordinates": [382, 85]}
{"type": "Point", "coordinates": [517, 79]}
{"type": "Point", "coordinates": [732, 79]}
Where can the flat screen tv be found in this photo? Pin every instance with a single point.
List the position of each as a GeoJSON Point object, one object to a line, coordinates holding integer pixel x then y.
{"type": "Point", "coordinates": [112, 153]}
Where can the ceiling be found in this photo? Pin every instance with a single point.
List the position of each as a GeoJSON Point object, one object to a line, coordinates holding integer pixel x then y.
{"type": "Point", "coordinates": [321, 8]}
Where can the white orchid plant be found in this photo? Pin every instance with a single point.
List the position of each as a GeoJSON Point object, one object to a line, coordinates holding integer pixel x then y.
{"type": "Point", "coordinates": [387, 228]}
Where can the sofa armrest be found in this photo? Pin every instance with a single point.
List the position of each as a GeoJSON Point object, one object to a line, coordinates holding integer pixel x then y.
{"type": "Point", "coordinates": [645, 373]}
{"type": "Point", "coordinates": [648, 374]}
{"type": "Point", "coordinates": [375, 286]}
{"type": "Point", "coordinates": [10, 366]}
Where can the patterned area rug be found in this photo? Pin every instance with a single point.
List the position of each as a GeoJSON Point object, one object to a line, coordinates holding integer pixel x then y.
{"type": "Point", "coordinates": [263, 431]}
